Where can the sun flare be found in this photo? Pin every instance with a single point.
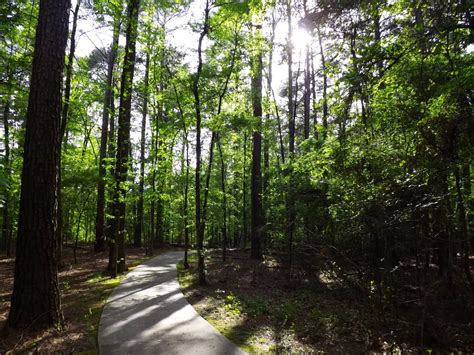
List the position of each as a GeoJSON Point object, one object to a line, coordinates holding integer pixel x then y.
{"type": "Point", "coordinates": [300, 38]}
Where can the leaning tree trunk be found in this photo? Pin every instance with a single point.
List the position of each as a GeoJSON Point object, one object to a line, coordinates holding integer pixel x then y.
{"type": "Point", "coordinates": [123, 135]}
{"type": "Point", "coordinates": [35, 300]}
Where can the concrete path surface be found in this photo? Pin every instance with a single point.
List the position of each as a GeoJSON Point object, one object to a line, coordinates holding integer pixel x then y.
{"type": "Point", "coordinates": [148, 314]}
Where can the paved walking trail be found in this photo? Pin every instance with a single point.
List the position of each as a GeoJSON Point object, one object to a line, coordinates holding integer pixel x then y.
{"type": "Point", "coordinates": [148, 314]}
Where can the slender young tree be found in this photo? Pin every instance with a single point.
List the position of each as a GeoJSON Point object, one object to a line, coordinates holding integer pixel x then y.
{"type": "Point", "coordinates": [325, 84]}
{"type": "Point", "coordinates": [307, 84]}
{"type": "Point", "coordinates": [290, 204]}
{"type": "Point", "coordinates": [256, 178]}
{"type": "Point", "coordinates": [137, 240]}
{"type": "Point", "coordinates": [107, 111]}
{"type": "Point", "coordinates": [197, 107]}
{"type": "Point", "coordinates": [6, 226]}
{"type": "Point", "coordinates": [35, 299]}
{"type": "Point", "coordinates": [64, 120]}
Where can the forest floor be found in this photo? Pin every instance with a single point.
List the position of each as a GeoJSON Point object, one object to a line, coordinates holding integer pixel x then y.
{"type": "Point", "coordinates": [84, 291]}
{"type": "Point", "coordinates": [263, 309]}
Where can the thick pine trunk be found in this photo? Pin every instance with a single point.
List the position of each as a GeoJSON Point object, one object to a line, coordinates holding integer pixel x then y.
{"type": "Point", "coordinates": [35, 300]}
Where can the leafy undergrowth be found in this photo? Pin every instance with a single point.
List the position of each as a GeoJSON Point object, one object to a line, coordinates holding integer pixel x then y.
{"type": "Point", "coordinates": [84, 291]}
{"type": "Point", "coordinates": [263, 309]}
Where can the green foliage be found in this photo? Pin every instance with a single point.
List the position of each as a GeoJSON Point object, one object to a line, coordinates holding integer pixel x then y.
{"type": "Point", "coordinates": [233, 305]}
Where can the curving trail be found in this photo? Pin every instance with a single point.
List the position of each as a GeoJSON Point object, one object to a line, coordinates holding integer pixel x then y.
{"type": "Point", "coordinates": [148, 314]}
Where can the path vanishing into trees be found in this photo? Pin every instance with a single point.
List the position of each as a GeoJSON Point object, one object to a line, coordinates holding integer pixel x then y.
{"type": "Point", "coordinates": [148, 314]}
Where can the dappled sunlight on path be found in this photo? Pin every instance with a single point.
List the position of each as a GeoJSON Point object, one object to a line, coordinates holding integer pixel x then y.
{"type": "Point", "coordinates": [148, 314]}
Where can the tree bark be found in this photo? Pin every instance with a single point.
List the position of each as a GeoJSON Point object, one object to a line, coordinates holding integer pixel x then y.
{"type": "Point", "coordinates": [307, 94]}
{"type": "Point", "coordinates": [107, 111]}
{"type": "Point", "coordinates": [291, 126]}
{"type": "Point", "coordinates": [256, 179]}
{"type": "Point", "coordinates": [244, 196]}
{"type": "Point", "coordinates": [36, 259]}
{"type": "Point", "coordinates": [123, 133]}
{"type": "Point", "coordinates": [270, 88]}
{"type": "Point", "coordinates": [325, 85]}
{"type": "Point", "coordinates": [6, 227]}
{"type": "Point", "coordinates": [137, 242]}
{"type": "Point", "coordinates": [197, 107]}
{"type": "Point", "coordinates": [224, 202]}
{"type": "Point", "coordinates": [62, 132]}
{"type": "Point", "coordinates": [289, 54]}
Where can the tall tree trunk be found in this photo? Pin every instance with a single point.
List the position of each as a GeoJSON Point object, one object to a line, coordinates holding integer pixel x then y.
{"type": "Point", "coordinates": [307, 93]}
{"type": "Point", "coordinates": [307, 83]}
{"type": "Point", "coordinates": [291, 127]}
{"type": "Point", "coordinates": [462, 220]}
{"type": "Point", "coordinates": [153, 152]}
{"type": "Point", "coordinates": [215, 136]}
{"type": "Point", "coordinates": [197, 107]}
{"type": "Point", "coordinates": [185, 205]}
{"type": "Point", "coordinates": [123, 133]}
{"type": "Point", "coordinates": [289, 54]}
{"type": "Point", "coordinates": [313, 92]}
{"type": "Point", "coordinates": [224, 202]}
{"type": "Point", "coordinates": [160, 163]}
{"type": "Point", "coordinates": [325, 85]}
{"type": "Point", "coordinates": [108, 228]}
{"type": "Point", "coordinates": [106, 113]}
{"type": "Point", "coordinates": [256, 178]}
{"type": "Point", "coordinates": [244, 196]}
{"type": "Point", "coordinates": [63, 125]}
{"type": "Point", "coordinates": [208, 180]}
{"type": "Point", "coordinates": [270, 88]}
{"type": "Point", "coordinates": [6, 227]}
{"type": "Point", "coordinates": [186, 180]}
{"type": "Point", "coordinates": [265, 190]}
{"type": "Point", "coordinates": [36, 259]}
{"type": "Point", "coordinates": [139, 226]}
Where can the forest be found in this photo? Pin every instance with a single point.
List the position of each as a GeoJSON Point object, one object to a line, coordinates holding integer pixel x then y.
{"type": "Point", "coordinates": [312, 160]}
